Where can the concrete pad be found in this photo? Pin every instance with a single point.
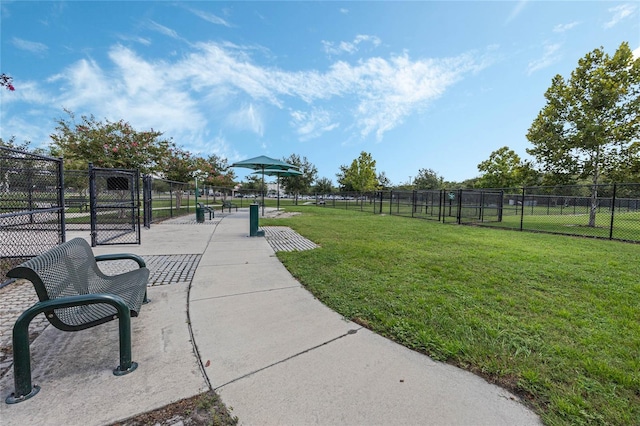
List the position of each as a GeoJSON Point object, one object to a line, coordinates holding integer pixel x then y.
{"type": "Point", "coordinates": [217, 281]}
{"type": "Point", "coordinates": [160, 239]}
{"type": "Point", "coordinates": [74, 370]}
{"type": "Point", "coordinates": [242, 334]}
{"type": "Point", "coordinates": [364, 379]}
{"type": "Point", "coordinates": [217, 255]}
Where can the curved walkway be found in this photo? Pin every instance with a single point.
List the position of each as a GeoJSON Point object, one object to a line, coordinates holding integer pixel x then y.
{"type": "Point", "coordinates": [270, 349]}
{"type": "Point", "coordinates": [278, 356]}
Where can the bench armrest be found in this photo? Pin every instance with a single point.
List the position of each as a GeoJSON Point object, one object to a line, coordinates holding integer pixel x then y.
{"type": "Point", "coordinates": [122, 256]}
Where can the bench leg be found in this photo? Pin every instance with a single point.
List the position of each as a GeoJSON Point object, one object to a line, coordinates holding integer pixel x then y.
{"type": "Point", "coordinates": [22, 360]}
{"type": "Point", "coordinates": [22, 354]}
{"type": "Point", "coordinates": [124, 327]}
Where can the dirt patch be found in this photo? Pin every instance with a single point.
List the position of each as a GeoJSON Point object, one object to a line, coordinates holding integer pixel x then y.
{"type": "Point", "coordinates": [279, 214]}
{"type": "Point", "coordinates": [200, 410]}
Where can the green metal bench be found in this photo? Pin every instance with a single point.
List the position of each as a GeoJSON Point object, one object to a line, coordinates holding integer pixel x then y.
{"type": "Point", "coordinates": [228, 205]}
{"type": "Point", "coordinates": [75, 295]}
{"type": "Point", "coordinates": [208, 209]}
{"type": "Point", "coordinates": [81, 203]}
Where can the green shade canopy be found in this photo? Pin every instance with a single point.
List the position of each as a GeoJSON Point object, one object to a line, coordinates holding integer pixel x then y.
{"type": "Point", "coordinates": [264, 163]}
{"type": "Point", "coordinates": [278, 173]}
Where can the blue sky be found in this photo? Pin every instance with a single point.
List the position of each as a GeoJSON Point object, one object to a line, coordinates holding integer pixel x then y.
{"type": "Point", "coordinates": [419, 85]}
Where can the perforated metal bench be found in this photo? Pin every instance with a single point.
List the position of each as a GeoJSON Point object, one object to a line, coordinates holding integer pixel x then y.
{"type": "Point", "coordinates": [75, 295]}
{"type": "Point", "coordinates": [208, 209]}
{"type": "Point", "coordinates": [228, 205]}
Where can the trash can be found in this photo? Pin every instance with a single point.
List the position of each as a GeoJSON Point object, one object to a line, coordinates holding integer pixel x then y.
{"type": "Point", "coordinates": [253, 220]}
{"type": "Point", "coordinates": [199, 215]}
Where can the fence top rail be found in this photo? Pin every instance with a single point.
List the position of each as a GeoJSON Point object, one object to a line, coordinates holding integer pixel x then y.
{"type": "Point", "coordinates": [29, 154]}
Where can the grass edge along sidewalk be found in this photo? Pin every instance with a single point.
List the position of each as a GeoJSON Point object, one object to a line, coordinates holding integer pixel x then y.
{"type": "Point", "coordinates": [554, 319]}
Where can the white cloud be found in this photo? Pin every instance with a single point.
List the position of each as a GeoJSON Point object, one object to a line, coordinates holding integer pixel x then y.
{"type": "Point", "coordinates": [312, 124]}
{"type": "Point", "coordinates": [209, 17]}
{"type": "Point", "coordinates": [152, 25]}
{"type": "Point", "coordinates": [349, 47]}
{"type": "Point", "coordinates": [141, 40]}
{"type": "Point", "coordinates": [248, 118]}
{"type": "Point", "coordinates": [620, 13]}
{"type": "Point", "coordinates": [560, 28]}
{"type": "Point", "coordinates": [29, 46]}
{"type": "Point", "coordinates": [146, 94]}
{"type": "Point", "coordinates": [517, 9]}
{"type": "Point", "coordinates": [636, 53]}
{"type": "Point", "coordinates": [549, 57]}
{"type": "Point", "coordinates": [181, 95]}
{"type": "Point", "coordinates": [344, 11]}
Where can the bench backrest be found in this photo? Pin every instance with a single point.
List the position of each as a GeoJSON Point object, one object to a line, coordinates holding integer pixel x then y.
{"type": "Point", "coordinates": [64, 270]}
{"type": "Point", "coordinates": [226, 203]}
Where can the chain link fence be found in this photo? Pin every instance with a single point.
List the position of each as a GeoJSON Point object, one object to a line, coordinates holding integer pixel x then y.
{"type": "Point", "coordinates": [165, 199]}
{"type": "Point", "coordinates": [31, 209]}
{"type": "Point", "coordinates": [603, 211]}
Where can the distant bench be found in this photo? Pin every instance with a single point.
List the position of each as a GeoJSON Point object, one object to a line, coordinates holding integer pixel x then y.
{"type": "Point", "coordinates": [74, 295]}
{"type": "Point", "coordinates": [212, 213]}
{"type": "Point", "coordinates": [82, 203]}
{"type": "Point", "coordinates": [228, 205]}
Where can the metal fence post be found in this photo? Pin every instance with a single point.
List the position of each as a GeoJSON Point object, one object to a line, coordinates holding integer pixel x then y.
{"type": "Point", "coordinates": [92, 205]}
{"type": "Point", "coordinates": [613, 208]}
{"type": "Point", "coordinates": [522, 210]}
{"type": "Point", "coordinates": [63, 223]}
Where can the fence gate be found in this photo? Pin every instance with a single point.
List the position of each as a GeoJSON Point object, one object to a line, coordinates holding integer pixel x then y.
{"type": "Point", "coordinates": [114, 205]}
{"type": "Point", "coordinates": [31, 209]}
{"type": "Point", "coordinates": [475, 206]}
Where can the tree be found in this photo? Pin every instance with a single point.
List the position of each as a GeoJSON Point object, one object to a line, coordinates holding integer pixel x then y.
{"type": "Point", "coordinates": [254, 183]}
{"type": "Point", "coordinates": [589, 120]}
{"type": "Point", "coordinates": [629, 171]}
{"type": "Point", "coordinates": [179, 165]}
{"type": "Point", "coordinates": [300, 184]}
{"type": "Point", "coordinates": [7, 81]}
{"type": "Point", "coordinates": [383, 181]}
{"type": "Point", "coordinates": [324, 186]}
{"type": "Point", "coordinates": [109, 144]}
{"type": "Point", "coordinates": [343, 182]}
{"type": "Point", "coordinates": [501, 170]}
{"type": "Point", "coordinates": [11, 143]}
{"type": "Point", "coordinates": [427, 179]}
{"type": "Point", "coordinates": [222, 174]}
{"type": "Point", "coordinates": [361, 175]}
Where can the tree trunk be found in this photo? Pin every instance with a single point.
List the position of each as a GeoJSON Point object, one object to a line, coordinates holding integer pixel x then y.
{"type": "Point", "coordinates": [594, 205]}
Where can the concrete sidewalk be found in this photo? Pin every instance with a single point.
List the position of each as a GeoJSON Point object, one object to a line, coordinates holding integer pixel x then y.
{"type": "Point", "coordinates": [271, 350]}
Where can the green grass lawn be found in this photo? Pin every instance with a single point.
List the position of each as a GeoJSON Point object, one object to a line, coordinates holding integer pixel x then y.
{"type": "Point", "coordinates": [554, 319]}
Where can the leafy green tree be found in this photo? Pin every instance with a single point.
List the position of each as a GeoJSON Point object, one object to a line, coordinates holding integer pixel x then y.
{"type": "Point", "coordinates": [179, 165]}
{"type": "Point", "coordinates": [589, 120]}
{"type": "Point", "coordinates": [361, 175]}
{"type": "Point", "coordinates": [7, 81]}
{"type": "Point", "coordinates": [629, 170]}
{"type": "Point", "coordinates": [11, 143]}
{"type": "Point", "coordinates": [324, 186]}
{"type": "Point", "coordinates": [502, 169]}
{"type": "Point", "coordinates": [222, 174]}
{"type": "Point", "coordinates": [383, 181]}
{"type": "Point", "coordinates": [254, 183]}
{"type": "Point", "coordinates": [299, 184]}
{"type": "Point", "coordinates": [107, 144]}
{"type": "Point", "coordinates": [343, 182]}
{"type": "Point", "coordinates": [427, 179]}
